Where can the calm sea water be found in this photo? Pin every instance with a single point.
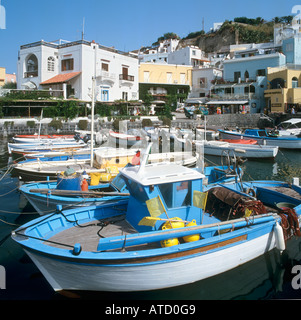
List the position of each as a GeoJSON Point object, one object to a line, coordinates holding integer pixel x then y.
{"type": "Point", "coordinates": [267, 277]}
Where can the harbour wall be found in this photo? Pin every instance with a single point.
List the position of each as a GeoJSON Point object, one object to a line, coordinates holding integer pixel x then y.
{"type": "Point", "coordinates": [11, 127]}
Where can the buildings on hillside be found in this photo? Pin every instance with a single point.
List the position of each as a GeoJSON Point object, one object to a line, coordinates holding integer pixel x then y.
{"type": "Point", "coordinates": [69, 67]}
{"type": "Point", "coordinates": [245, 80]}
{"type": "Point", "coordinates": [158, 53]}
{"type": "Point", "coordinates": [238, 78]}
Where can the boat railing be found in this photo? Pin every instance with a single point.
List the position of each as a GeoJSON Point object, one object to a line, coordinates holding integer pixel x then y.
{"type": "Point", "coordinates": [121, 242]}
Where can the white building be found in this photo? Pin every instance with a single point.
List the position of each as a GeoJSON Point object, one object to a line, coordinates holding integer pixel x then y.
{"type": "Point", "coordinates": [159, 53]}
{"type": "Point", "coordinates": [202, 81]}
{"type": "Point", "coordinates": [191, 55]}
{"type": "Point", "coordinates": [70, 66]}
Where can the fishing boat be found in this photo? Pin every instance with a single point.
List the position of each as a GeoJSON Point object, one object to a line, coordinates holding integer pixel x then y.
{"type": "Point", "coordinates": [107, 161]}
{"type": "Point", "coordinates": [104, 160]}
{"type": "Point", "coordinates": [264, 137]}
{"type": "Point", "coordinates": [45, 196]}
{"type": "Point", "coordinates": [60, 154]}
{"type": "Point", "coordinates": [168, 235]}
{"type": "Point", "coordinates": [21, 149]}
{"type": "Point", "coordinates": [250, 151]}
{"type": "Point", "coordinates": [289, 127]}
{"type": "Point", "coordinates": [67, 192]}
{"type": "Point", "coordinates": [125, 139]}
{"type": "Point", "coordinates": [245, 150]}
{"type": "Point", "coordinates": [34, 138]}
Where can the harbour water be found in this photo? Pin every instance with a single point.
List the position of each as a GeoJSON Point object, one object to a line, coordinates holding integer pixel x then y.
{"type": "Point", "coordinates": [267, 277]}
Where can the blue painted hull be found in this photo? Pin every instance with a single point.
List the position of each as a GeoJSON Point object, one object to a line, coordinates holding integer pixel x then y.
{"type": "Point", "coordinates": [284, 142]}
{"type": "Point", "coordinates": [136, 261]}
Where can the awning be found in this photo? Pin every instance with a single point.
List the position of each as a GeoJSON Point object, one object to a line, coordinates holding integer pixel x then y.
{"type": "Point", "coordinates": [29, 85]}
{"type": "Point", "coordinates": [195, 100]}
{"type": "Point", "coordinates": [61, 78]}
{"type": "Point", "coordinates": [228, 102]}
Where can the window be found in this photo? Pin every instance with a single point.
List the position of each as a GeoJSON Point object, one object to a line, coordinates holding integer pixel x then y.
{"type": "Point", "coordinates": [104, 66]}
{"type": "Point", "coordinates": [104, 95]}
{"type": "Point", "coordinates": [124, 96]}
{"type": "Point", "coordinates": [146, 76]}
{"type": "Point", "coordinates": [246, 75]}
{"type": "Point", "coordinates": [193, 52]}
{"type": "Point", "coordinates": [182, 78]}
{"type": "Point", "coordinates": [295, 82]}
{"type": "Point", "coordinates": [50, 64]}
{"type": "Point", "coordinates": [277, 83]}
{"type": "Point", "coordinates": [237, 75]}
{"type": "Point", "coordinates": [203, 82]}
{"type": "Point", "coordinates": [261, 72]}
{"type": "Point", "coordinates": [32, 66]}
{"type": "Point", "coordinates": [169, 77]}
{"type": "Point", "coordinates": [177, 194]}
{"type": "Point", "coordinates": [249, 89]}
{"type": "Point", "coordinates": [67, 64]}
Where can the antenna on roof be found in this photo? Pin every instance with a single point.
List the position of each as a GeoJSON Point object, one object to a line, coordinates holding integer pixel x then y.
{"type": "Point", "coordinates": [83, 31]}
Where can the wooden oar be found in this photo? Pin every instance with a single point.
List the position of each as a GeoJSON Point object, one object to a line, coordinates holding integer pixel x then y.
{"type": "Point", "coordinates": [78, 193]}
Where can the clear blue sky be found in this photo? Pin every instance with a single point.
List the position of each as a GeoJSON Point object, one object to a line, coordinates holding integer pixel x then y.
{"type": "Point", "coordinates": [124, 24]}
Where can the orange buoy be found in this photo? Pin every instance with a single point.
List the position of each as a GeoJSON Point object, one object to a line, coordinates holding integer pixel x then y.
{"type": "Point", "coordinates": [85, 185]}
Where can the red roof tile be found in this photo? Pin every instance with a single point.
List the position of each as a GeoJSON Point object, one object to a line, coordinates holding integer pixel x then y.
{"type": "Point", "coordinates": [61, 78]}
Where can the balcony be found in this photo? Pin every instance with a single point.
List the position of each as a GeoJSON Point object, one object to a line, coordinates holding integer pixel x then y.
{"type": "Point", "coordinates": [126, 80]}
{"type": "Point", "coordinates": [31, 74]}
{"type": "Point", "coordinates": [237, 96]}
{"type": "Point", "coordinates": [106, 77]}
{"type": "Point", "coordinates": [126, 77]}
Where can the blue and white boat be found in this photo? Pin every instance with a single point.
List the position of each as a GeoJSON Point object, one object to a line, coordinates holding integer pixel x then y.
{"type": "Point", "coordinates": [45, 196]}
{"type": "Point", "coordinates": [264, 137]}
{"type": "Point", "coordinates": [162, 238]}
{"type": "Point", "coordinates": [20, 149]}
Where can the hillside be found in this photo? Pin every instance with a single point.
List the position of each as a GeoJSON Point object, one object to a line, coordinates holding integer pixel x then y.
{"type": "Point", "coordinates": [231, 33]}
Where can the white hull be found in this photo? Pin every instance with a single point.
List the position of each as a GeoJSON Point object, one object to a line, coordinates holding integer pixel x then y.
{"type": "Point", "coordinates": [63, 275]}
{"type": "Point", "coordinates": [43, 140]}
{"type": "Point", "coordinates": [216, 148]}
{"type": "Point", "coordinates": [276, 142]}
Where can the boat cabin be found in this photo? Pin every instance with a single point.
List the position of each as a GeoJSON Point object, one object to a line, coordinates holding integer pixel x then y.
{"type": "Point", "coordinates": [256, 132]}
{"type": "Point", "coordinates": [174, 184]}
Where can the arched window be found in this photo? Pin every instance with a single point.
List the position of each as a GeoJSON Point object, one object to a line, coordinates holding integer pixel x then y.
{"type": "Point", "coordinates": [246, 75]}
{"type": "Point", "coordinates": [32, 68]}
{"type": "Point", "coordinates": [295, 82]}
{"type": "Point", "coordinates": [277, 83]}
{"type": "Point", "coordinates": [50, 64]}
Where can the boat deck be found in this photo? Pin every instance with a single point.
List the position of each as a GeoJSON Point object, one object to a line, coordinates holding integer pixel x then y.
{"type": "Point", "coordinates": [286, 191]}
{"type": "Point", "coordinates": [88, 234]}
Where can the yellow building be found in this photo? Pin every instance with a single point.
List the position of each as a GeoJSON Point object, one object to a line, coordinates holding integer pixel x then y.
{"type": "Point", "coordinates": [165, 73]}
{"type": "Point", "coordinates": [284, 89]}
{"type": "Point", "coordinates": [163, 80]}
{"type": "Point", "coordinates": [2, 76]}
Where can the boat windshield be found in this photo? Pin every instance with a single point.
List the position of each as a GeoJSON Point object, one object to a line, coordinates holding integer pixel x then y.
{"type": "Point", "coordinates": [136, 190]}
{"type": "Point", "coordinates": [176, 194]}
{"type": "Point", "coordinates": [118, 182]}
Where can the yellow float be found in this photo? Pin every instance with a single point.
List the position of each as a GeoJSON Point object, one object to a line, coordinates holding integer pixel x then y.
{"type": "Point", "coordinates": [172, 225]}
